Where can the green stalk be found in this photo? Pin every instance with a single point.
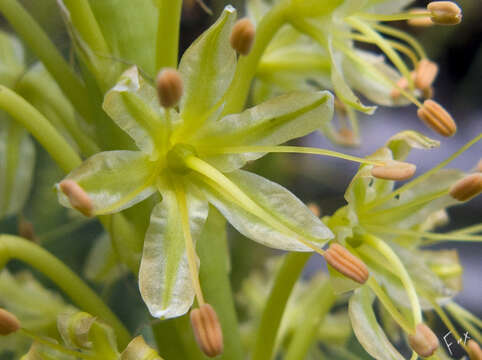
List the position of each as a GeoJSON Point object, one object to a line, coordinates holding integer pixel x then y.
{"type": "Point", "coordinates": [238, 91]}
{"type": "Point", "coordinates": [167, 43]}
{"type": "Point", "coordinates": [213, 252]}
{"type": "Point", "coordinates": [13, 247]}
{"type": "Point", "coordinates": [316, 310]}
{"type": "Point", "coordinates": [25, 114]}
{"type": "Point", "coordinates": [45, 50]}
{"type": "Point", "coordinates": [286, 278]}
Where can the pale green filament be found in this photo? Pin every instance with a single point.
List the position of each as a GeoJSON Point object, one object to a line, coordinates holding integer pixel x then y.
{"type": "Point", "coordinates": [190, 250]}
{"type": "Point", "coordinates": [402, 36]}
{"type": "Point", "coordinates": [402, 273]}
{"type": "Point", "coordinates": [242, 199]}
{"type": "Point", "coordinates": [467, 325]}
{"type": "Point", "coordinates": [474, 229]}
{"type": "Point", "coordinates": [423, 177]}
{"type": "Point", "coordinates": [447, 322]}
{"type": "Point", "coordinates": [424, 234]}
{"type": "Point", "coordinates": [454, 307]}
{"type": "Point", "coordinates": [283, 149]}
{"type": "Point", "coordinates": [393, 17]}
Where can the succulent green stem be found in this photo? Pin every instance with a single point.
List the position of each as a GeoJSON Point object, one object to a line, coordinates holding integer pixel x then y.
{"type": "Point", "coordinates": [14, 247]}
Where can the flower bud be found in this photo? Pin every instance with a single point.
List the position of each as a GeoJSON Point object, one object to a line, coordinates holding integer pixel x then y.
{"type": "Point", "coordinates": [242, 36]}
{"type": "Point", "coordinates": [207, 330]}
{"type": "Point", "coordinates": [169, 87]}
{"type": "Point", "coordinates": [346, 263]}
{"type": "Point", "coordinates": [315, 209]}
{"type": "Point", "coordinates": [437, 118]}
{"type": "Point", "coordinates": [445, 12]}
{"type": "Point", "coordinates": [420, 21]}
{"type": "Point", "coordinates": [467, 188]}
{"type": "Point", "coordinates": [475, 353]}
{"type": "Point", "coordinates": [424, 342]}
{"type": "Point", "coordinates": [8, 323]}
{"type": "Point", "coordinates": [78, 197]}
{"type": "Point", "coordinates": [394, 170]}
{"type": "Point", "coordinates": [425, 74]}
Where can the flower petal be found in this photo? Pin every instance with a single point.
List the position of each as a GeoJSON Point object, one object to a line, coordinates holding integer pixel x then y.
{"type": "Point", "coordinates": [114, 180]}
{"type": "Point", "coordinates": [133, 105]}
{"type": "Point", "coordinates": [367, 330]}
{"type": "Point", "coordinates": [164, 276]}
{"type": "Point", "coordinates": [279, 203]}
{"type": "Point", "coordinates": [274, 122]}
{"type": "Point", "coordinates": [207, 68]}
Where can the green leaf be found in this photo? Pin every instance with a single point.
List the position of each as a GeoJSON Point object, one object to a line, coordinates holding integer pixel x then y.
{"type": "Point", "coordinates": [12, 62]}
{"type": "Point", "coordinates": [276, 201]}
{"type": "Point", "coordinates": [366, 328]}
{"type": "Point", "coordinates": [114, 180]}
{"type": "Point", "coordinates": [207, 69]}
{"type": "Point", "coordinates": [271, 123]}
{"type": "Point", "coordinates": [139, 350]}
{"type": "Point", "coordinates": [134, 106]}
{"type": "Point", "coordinates": [164, 277]}
{"type": "Point", "coordinates": [17, 161]}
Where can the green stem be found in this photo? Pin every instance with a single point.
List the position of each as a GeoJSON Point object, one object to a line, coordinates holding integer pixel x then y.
{"type": "Point", "coordinates": [13, 247]}
{"type": "Point", "coordinates": [315, 312]}
{"type": "Point", "coordinates": [246, 69]}
{"type": "Point", "coordinates": [45, 50]}
{"type": "Point", "coordinates": [402, 273]}
{"type": "Point", "coordinates": [40, 128]}
{"type": "Point", "coordinates": [284, 149]}
{"type": "Point", "coordinates": [167, 43]}
{"type": "Point", "coordinates": [423, 177]}
{"type": "Point", "coordinates": [213, 252]}
{"type": "Point", "coordinates": [284, 282]}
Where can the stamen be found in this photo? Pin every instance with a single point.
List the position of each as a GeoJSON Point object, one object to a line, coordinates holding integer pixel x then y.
{"type": "Point", "coordinates": [479, 166]}
{"type": "Point", "coordinates": [242, 36]}
{"type": "Point", "coordinates": [284, 149]}
{"type": "Point", "coordinates": [425, 74]}
{"type": "Point", "coordinates": [78, 198]}
{"type": "Point", "coordinates": [190, 249]}
{"type": "Point", "coordinates": [315, 209]}
{"type": "Point", "coordinates": [467, 188]}
{"type": "Point", "coordinates": [437, 118]}
{"type": "Point", "coordinates": [207, 330]}
{"type": "Point", "coordinates": [445, 12]}
{"type": "Point", "coordinates": [424, 234]}
{"type": "Point", "coordinates": [424, 21]}
{"type": "Point", "coordinates": [475, 352]}
{"type": "Point", "coordinates": [402, 36]}
{"type": "Point", "coordinates": [346, 263]}
{"type": "Point", "coordinates": [395, 17]}
{"type": "Point", "coordinates": [347, 137]}
{"type": "Point", "coordinates": [26, 229]}
{"type": "Point", "coordinates": [428, 93]}
{"type": "Point", "coordinates": [394, 170]}
{"type": "Point", "coordinates": [8, 323]}
{"type": "Point", "coordinates": [169, 87]}
{"type": "Point", "coordinates": [424, 342]}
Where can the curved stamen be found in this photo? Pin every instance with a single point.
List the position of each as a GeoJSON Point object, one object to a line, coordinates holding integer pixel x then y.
{"type": "Point", "coordinates": [393, 17]}
{"type": "Point", "coordinates": [387, 30]}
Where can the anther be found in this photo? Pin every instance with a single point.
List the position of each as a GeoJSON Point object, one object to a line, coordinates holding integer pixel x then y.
{"type": "Point", "coordinates": [169, 87]}
{"type": "Point", "coordinates": [78, 197]}
{"type": "Point", "coordinates": [445, 12]}
{"type": "Point", "coordinates": [346, 263]}
{"type": "Point", "coordinates": [475, 353]}
{"type": "Point", "coordinates": [420, 21]}
{"type": "Point", "coordinates": [425, 74]}
{"type": "Point", "coordinates": [424, 342]}
{"type": "Point", "coordinates": [8, 323]}
{"type": "Point", "coordinates": [315, 209]}
{"type": "Point", "coordinates": [394, 170]}
{"type": "Point", "coordinates": [467, 187]}
{"type": "Point", "coordinates": [437, 118]}
{"type": "Point", "coordinates": [242, 36]}
{"type": "Point", "coordinates": [207, 330]}
{"type": "Point", "coordinates": [479, 166]}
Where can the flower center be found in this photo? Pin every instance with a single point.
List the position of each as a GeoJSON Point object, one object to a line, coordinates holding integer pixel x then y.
{"type": "Point", "coordinates": [176, 157]}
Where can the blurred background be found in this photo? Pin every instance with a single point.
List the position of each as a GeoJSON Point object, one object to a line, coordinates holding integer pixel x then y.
{"type": "Point", "coordinates": [457, 50]}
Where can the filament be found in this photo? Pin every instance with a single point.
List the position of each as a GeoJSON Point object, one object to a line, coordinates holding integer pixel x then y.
{"type": "Point", "coordinates": [402, 36]}
{"type": "Point", "coordinates": [424, 234]}
{"type": "Point", "coordinates": [393, 17]}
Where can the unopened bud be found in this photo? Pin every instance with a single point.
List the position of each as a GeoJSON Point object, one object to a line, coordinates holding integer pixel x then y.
{"type": "Point", "coordinates": [467, 188]}
{"type": "Point", "coordinates": [437, 118]}
{"type": "Point", "coordinates": [315, 209]}
{"type": "Point", "coordinates": [425, 74]}
{"type": "Point", "coordinates": [346, 263]}
{"type": "Point", "coordinates": [8, 323]}
{"type": "Point", "coordinates": [424, 342]}
{"type": "Point", "coordinates": [207, 330]}
{"type": "Point", "coordinates": [475, 353]}
{"type": "Point", "coordinates": [445, 12]}
{"type": "Point", "coordinates": [242, 36]}
{"type": "Point", "coordinates": [169, 87]}
{"type": "Point", "coordinates": [420, 21]}
{"type": "Point", "coordinates": [78, 197]}
{"type": "Point", "coordinates": [394, 170]}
